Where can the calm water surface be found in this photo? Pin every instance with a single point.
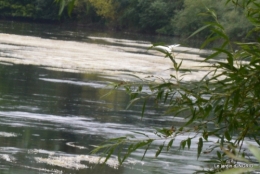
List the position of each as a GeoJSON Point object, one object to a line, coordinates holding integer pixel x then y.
{"type": "Point", "coordinates": [51, 120]}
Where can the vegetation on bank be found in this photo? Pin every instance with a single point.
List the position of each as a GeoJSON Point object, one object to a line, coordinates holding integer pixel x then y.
{"type": "Point", "coordinates": [168, 17]}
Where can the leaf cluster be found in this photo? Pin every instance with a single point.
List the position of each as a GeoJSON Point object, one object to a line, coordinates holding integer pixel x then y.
{"type": "Point", "coordinates": [225, 104]}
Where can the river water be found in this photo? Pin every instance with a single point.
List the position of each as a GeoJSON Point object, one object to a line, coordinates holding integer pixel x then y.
{"type": "Point", "coordinates": [52, 113]}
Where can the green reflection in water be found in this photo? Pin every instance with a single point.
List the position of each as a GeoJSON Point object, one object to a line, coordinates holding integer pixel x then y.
{"type": "Point", "coordinates": [37, 111]}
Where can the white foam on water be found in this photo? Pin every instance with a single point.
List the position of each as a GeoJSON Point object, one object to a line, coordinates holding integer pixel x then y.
{"type": "Point", "coordinates": [74, 56]}
{"type": "Point", "coordinates": [7, 134]}
{"type": "Point", "coordinates": [7, 158]}
{"type": "Point", "coordinates": [43, 169]}
{"type": "Point", "coordinates": [72, 144]}
{"type": "Point", "coordinates": [94, 84]}
{"type": "Point", "coordinates": [74, 162]}
{"type": "Point", "coordinates": [80, 125]}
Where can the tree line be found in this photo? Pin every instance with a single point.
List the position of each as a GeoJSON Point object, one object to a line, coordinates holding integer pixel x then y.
{"type": "Point", "coordinates": [166, 17]}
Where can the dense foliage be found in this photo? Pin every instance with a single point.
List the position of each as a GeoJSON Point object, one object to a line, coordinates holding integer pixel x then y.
{"type": "Point", "coordinates": [33, 9]}
{"type": "Point", "coordinates": [169, 17]}
{"type": "Point", "coordinates": [225, 104]}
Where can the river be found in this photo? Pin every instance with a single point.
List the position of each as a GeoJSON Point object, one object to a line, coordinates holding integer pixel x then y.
{"type": "Point", "coordinates": [52, 113]}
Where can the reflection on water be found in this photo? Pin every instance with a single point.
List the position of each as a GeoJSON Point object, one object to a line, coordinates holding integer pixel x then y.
{"type": "Point", "coordinates": [71, 32]}
{"type": "Point", "coordinates": [50, 121]}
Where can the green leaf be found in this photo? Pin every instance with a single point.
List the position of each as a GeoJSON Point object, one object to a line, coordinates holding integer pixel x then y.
{"type": "Point", "coordinates": [232, 156]}
{"type": "Point", "coordinates": [179, 65]}
{"type": "Point", "coordinates": [220, 116]}
{"type": "Point", "coordinates": [132, 102]}
{"type": "Point", "coordinates": [222, 140]}
{"type": "Point", "coordinates": [62, 6]}
{"type": "Point", "coordinates": [219, 155]}
{"type": "Point", "coordinates": [165, 132]}
{"type": "Point", "coordinates": [205, 135]}
{"type": "Point", "coordinates": [119, 156]}
{"type": "Point", "coordinates": [71, 6]}
{"type": "Point", "coordinates": [256, 140]}
{"type": "Point", "coordinates": [193, 117]}
{"type": "Point", "coordinates": [215, 24]}
{"type": "Point", "coordinates": [117, 139]}
{"type": "Point", "coordinates": [200, 145]}
{"type": "Point", "coordinates": [159, 150]}
{"type": "Point", "coordinates": [227, 136]}
{"type": "Point", "coordinates": [183, 144]}
{"type": "Point", "coordinates": [229, 55]}
{"type": "Point", "coordinates": [165, 85]}
{"type": "Point", "coordinates": [166, 97]}
{"type": "Point", "coordinates": [170, 144]}
{"type": "Point", "coordinates": [227, 66]}
{"type": "Point", "coordinates": [160, 94]}
{"type": "Point", "coordinates": [111, 151]}
{"type": "Point", "coordinates": [143, 109]}
{"type": "Point", "coordinates": [141, 133]}
{"type": "Point", "coordinates": [255, 151]}
{"type": "Point", "coordinates": [220, 33]}
{"type": "Point", "coordinates": [213, 14]}
{"type": "Point", "coordinates": [146, 150]}
{"type": "Point", "coordinates": [189, 142]}
{"type": "Point", "coordinates": [236, 98]}
{"type": "Point", "coordinates": [252, 111]}
{"type": "Point", "coordinates": [142, 143]}
{"type": "Point", "coordinates": [207, 41]}
{"type": "Point", "coordinates": [254, 62]}
{"type": "Point", "coordinates": [199, 30]}
{"type": "Point", "coordinates": [227, 1]}
{"type": "Point", "coordinates": [212, 56]}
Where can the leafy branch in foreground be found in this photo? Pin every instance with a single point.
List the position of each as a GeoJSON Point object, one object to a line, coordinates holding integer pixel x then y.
{"type": "Point", "coordinates": [242, 168]}
{"type": "Point", "coordinates": [66, 3]}
{"type": "Point", "coordinates": [224, 105]}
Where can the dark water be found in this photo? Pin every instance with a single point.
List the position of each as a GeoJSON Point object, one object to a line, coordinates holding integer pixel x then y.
{"type": "Point", "coordinates": [51, 120]}
{"type": "Point", "coordinates": [79, 33]}
{"type": "Point", "coordinates": [68, 32]}
{"type": "Point", "coordinates": [44, 112]}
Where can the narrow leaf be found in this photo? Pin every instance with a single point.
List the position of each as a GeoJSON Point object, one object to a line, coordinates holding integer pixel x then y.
{"type": "Point", "coordinates": [179, 65]}
{"type": "Point", "coordinates": [170, 144]}
{"type": "Point", "coordinates": [236, 98]}
{"type": "Point", "coordinates": [232, 156]}
{"type": "Point", "coordinates": [227, 136]}
{"type": "Point", "coordinates": [109, 155]}
{"type": "Point", "coordinates": [62, 6]}
{"type": "Point", "coordinates": [159, 150]}
{"type": "Point", "coordinates": [200, 145]}
{"type": "Point", "coordinates": [230, 56]}
{"type": "Point", "coordinates": [199, 30]}
{"type": "Point", "coordinates": [255, 151]}
{"type": "Point", "coordinates": [132, 102]}
{"type": "Point", "coordinates": [141, 133]}
{"type": "Point", "coordinates": [71, 6]}
{"type": "Point", "coordinates": [146, 150]}
{"type": "Point", "coordinates": [257, 141]}
{"type": "Point", "coordinates": [212, 56]}
{"type": "Point", "coordinates": [143, 109]}
{"type": "Point", "coordinates": [189, 142]}
{"type": "Point", "coordinates": [192, 118]}
{"type": "Point", "coordinates": [183, 144]}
